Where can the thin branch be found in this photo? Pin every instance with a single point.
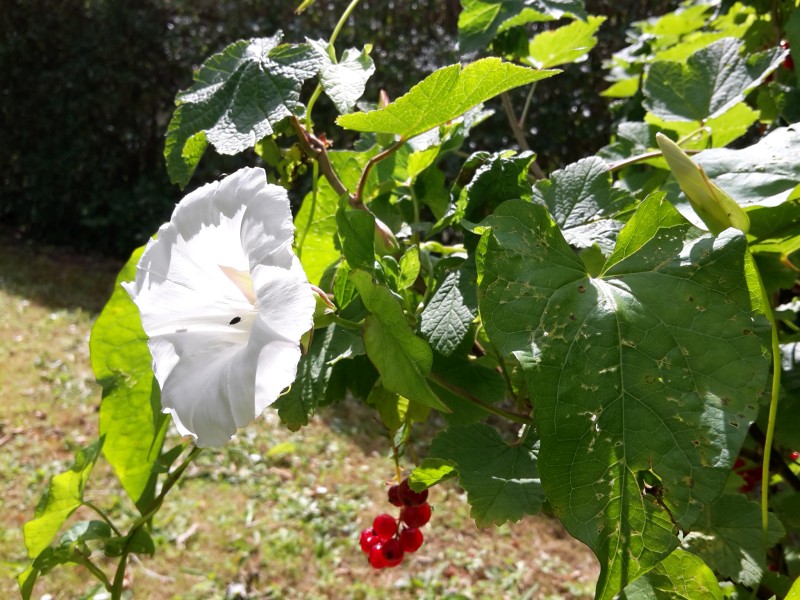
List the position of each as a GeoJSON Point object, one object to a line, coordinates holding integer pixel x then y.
{"type": "Point", "coordinates": [315, 148]}
{"type": "Point", "coordinates": [519, 133]}
{"type": "Point", "coordinates": [358, 201]}
{"type": "Point", "coordinates": [524, 116]}
{"type": "Point", "coordinates": [459, 391]}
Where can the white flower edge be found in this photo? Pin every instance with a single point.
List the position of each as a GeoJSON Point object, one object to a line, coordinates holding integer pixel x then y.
{"type": "Point", "coordinates": [224, 303]}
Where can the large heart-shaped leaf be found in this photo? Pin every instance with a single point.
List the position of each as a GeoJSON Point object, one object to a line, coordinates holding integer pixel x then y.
{"type": "Point", "coordinates": [238, 97]}
{"type": "Point", "coordinates": [645, 379]}
{"type": "Point", "coordinates": [680, 576]}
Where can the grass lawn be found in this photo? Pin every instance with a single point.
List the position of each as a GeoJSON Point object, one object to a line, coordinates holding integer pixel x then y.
{"type": "Point", "coordinates": [273, 514]}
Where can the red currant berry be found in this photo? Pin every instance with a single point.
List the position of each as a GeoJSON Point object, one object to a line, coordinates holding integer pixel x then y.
{"type": "Point", "coordinates": [409, 496]}
{"type": "Point", "coordinates": [384, 526]}
{"type": "Point", "coordinates": [368, 540]}
{"type": "Point", "coordinates": [794, 455]}
{"type": "Point", "coordinates": [416, 516]}
{"type": "Point", "coordinates": [411, 539]}
{"type": "Point", "coordinates": [392, 552]}
{"type": "Point", "coordinates": [394, 495]}
{"type": "Point", "coordinates": [377, 560]}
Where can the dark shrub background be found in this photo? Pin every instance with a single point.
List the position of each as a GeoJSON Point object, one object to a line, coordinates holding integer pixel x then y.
{"type": "Point", "coordinates": [87, 89]}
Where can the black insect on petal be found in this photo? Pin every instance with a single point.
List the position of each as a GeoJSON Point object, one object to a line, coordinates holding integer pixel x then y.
{"type": "Point", "coordinates": [235, 320]}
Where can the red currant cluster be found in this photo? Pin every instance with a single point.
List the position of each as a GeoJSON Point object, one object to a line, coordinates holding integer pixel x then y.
{"type": "Point", "coordinates": [387, 542]}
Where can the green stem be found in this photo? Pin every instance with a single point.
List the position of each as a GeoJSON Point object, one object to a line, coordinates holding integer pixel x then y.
{"type": "Point", "coordinates": [437, 248]}
{"type": "Point", "coordinates": [640, 158]}
{"type": "Point", "coordinates": [152, 509]}
{"type": "Point", "coordinates": [303, 234]}
{"type": "Point", "coordinates": [84, 560]}
{"type": "Point", "coordinates": [102, 516]}
{"type": "Point", "coordinates": [773, 413]}
{"type": "Point", "coordinates": [332, 54]}
{"type": "Point", "coordinates": [517, 418]}
{"type": "Point", "coordinates": [359, 200]}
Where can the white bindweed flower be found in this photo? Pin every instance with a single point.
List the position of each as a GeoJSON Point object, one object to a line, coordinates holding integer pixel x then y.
{"type": "Point", "coordinates": [224, 302]}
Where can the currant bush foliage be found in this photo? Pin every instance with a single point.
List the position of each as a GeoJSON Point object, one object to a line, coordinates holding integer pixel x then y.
{"type": "Point", "coordinates": [613, 342]}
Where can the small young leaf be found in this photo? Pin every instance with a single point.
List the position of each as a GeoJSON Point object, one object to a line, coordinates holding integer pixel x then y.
{"type": "Point", "coordinates": [130, 413]}
{"type": "Point", "coordinates": [443, 96]}
{"type": "Point", "coordinates": [501, 480]}
{"type": "Point", "coordinates": [566, 44]}
{"type": "Point", "coordinates": [409, 268]}
{"type": "Point", "coordinates": [63, 497]}
{"type": "Point", "coordinates": [238, 97]}
{"type": "Point", "coordinates": [716, 208]}
{"type": "Point", "coordinates": [402, 359]}
{"type": "Point", "coordinates": [431, 472]}
{"type": "Point", "coordinates": [344, 81]}
{"type": "Point", "coordinates": [356, 229]}
{"type": "Point", "coordinates": [446, 318]}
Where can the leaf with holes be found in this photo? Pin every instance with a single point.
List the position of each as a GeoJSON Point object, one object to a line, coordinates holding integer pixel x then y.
{"type": "Point", "coordinates": [238, 97]}
{"type": "Point", "coordinates": [646, 377]}
{"type": "Point", "coordinates": [501, 480]}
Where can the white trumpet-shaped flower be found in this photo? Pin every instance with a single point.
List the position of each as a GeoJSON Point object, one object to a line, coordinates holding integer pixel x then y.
{"type": "Point", "coordinates": [224, 303]}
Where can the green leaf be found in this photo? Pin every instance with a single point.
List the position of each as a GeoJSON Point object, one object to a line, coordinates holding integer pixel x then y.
{"type": "Point", "coordinates": [711, 81]}
{"type": "Point", "coordinates": [680, 576]}
{"type": "Point", "coordinates": [627, 386]}
{"type": "Point", "coordinates": [431, 472]}
{"type": "Point", "coordinates": [409, 268]}
{"type": "Point", "coordinates": [446, 318]}
{"type": "Point", "coordinates": [583, 203]}
{"type": "Point", "coordinates": [454, 374]}
{"type": "Point", "coordinates": [328, 346]}
{"type": "Point", "coordinates": [85, 531]}
{"type": "Point", "coordinates": [443, 96]}
{"type": "Point", "coordinates": [730, 539]}
{"type": "Point", "coordinates": [238, 97]}
{"type": "Point", "coordinates": [503, 176]}
{"type": "Point", "coordinates": [481, 20]}
{"type": "Point", "coordinates": [356, 229]}
{"type": "Point", "coordinates": [566, 44]}
{"type": "Point", "coordinates": [63, 497]}
{"type": "Point", "coordinates": [316, 221]}
{"type": "Point", "coordinates": [501, 480]}
{"type": "Point", "coordinates": [130, 413]}
{"type": "Point", "coordinates": [716, 208]}
{"type": "Point", "coordinates": [45, 562]}
{"type": "Point", "coordinates": [402, 359]}
{"type": "Point", "coordinates": [344, 81]}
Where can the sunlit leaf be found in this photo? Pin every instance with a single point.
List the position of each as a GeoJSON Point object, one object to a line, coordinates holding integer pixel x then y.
{"type": "Point", "coordinates": [442, 96]}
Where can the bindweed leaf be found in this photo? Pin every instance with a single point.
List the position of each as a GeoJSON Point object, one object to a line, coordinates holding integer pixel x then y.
{"type": "Point", "coordinates": [238, 97]}
{"type": "Point", "coordinates": [402, 359]}
{"type": "Point", "coordinates": [501, 480]}
{"type": "Point", "coordinates": [680, 576]}
{"type": "Point", "coordinates": [716, 208]}
{"type": "Point", "coordinates": [646, 402]}
{"type": "Point", "coordinates": [130, 412]}
{"type": "Point", "coordinates": [442, 96]}
{"type": "Point", "coordinates": [64, 495]}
